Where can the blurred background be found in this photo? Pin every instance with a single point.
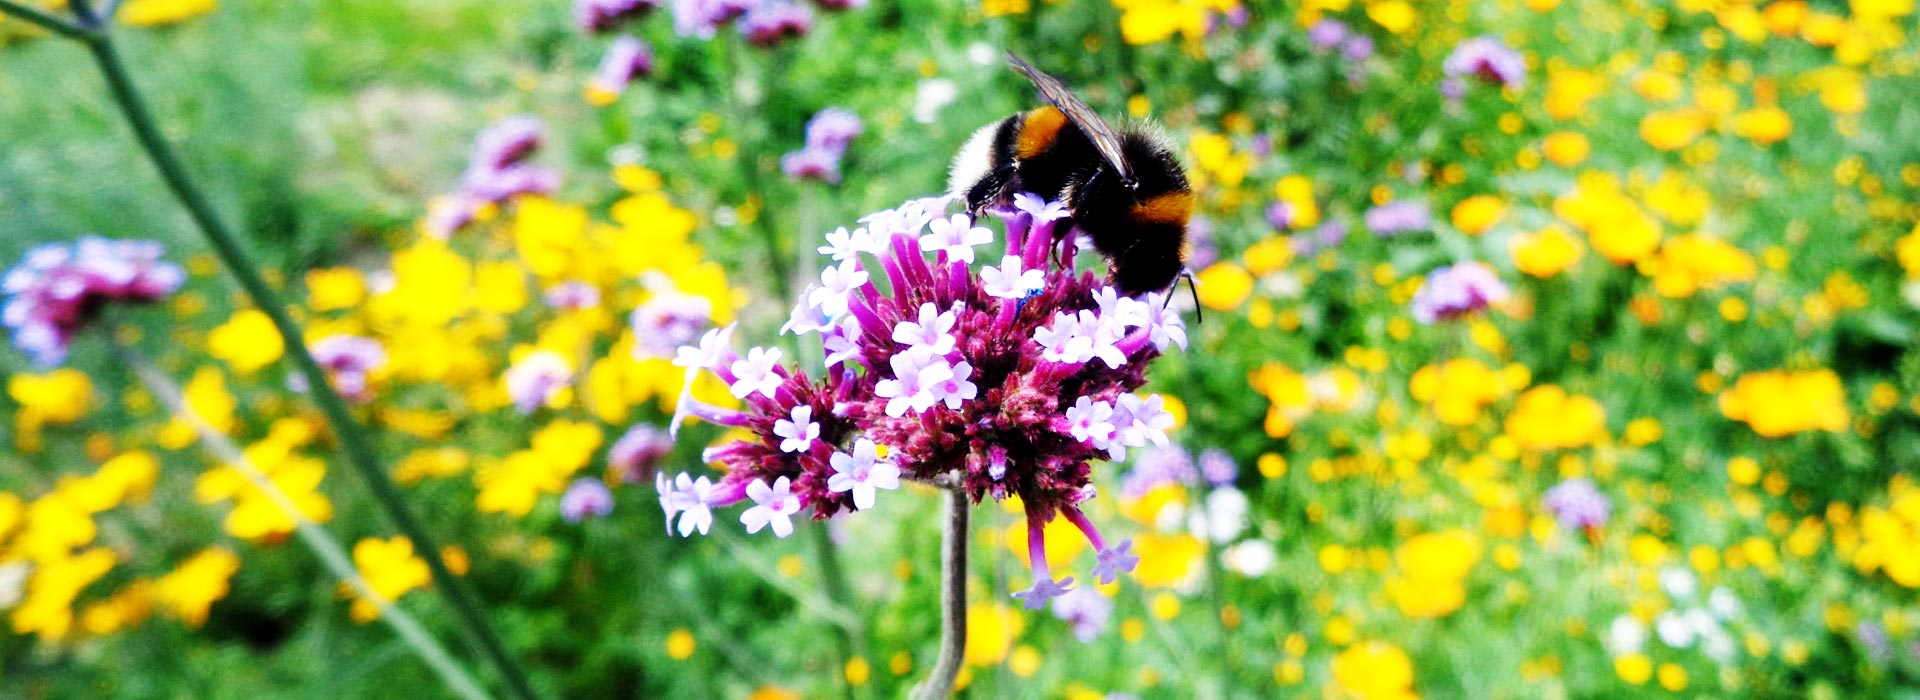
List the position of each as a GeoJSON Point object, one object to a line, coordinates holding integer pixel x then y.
{"type": "Point", "coordinates": [1673, 455]}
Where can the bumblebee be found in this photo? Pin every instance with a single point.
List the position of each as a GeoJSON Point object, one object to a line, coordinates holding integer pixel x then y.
{"type": "Point", "coordinates": [1124, 188]}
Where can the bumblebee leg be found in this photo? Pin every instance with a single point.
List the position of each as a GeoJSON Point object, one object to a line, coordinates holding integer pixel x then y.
{"type": "Point", "coordinates": [990, 190]}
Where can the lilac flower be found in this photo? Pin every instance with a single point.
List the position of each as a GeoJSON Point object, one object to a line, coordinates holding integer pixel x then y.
{"type": "Point", "coordinates": [1399, 217]}
{"type": "Point", "coordinates": [1218, 467]}
{"type": "Point", "coordinates": [1164, 325]}
{"type": "Point", "coordinates": [1578, 504]}
{"type": "Point", "coordinates": [834, 5]}
{"type": "Point", "coordinates": [1044, 590]}
{"type": "Point", "coordinates": [708, 355]}
{"type": "Point", "coordinates": [627, 59]}
{"type": "Point", "coordinates": [1327, 34]}
{"type": "Point", "coordinates": [833, 129]}
{"type": "Point", "coordinates": [772, 505]}
{"type": "Point", "coordinates": [1357, 48]}
{"type": "Point", "coordinates": [994, 412]}
{"type": "Point", "coordinates": [602, 15]}
{"type": "Point", "coordinates": [757, 374]}
{"type": "Point", "coordinates": [774, 21]}
{"type": "Point", "coordinates": [862, 473]}
{"type": "Point", "coordinates": [348, 359]}
{"type": "Point", "coordinates": [1087, 609]}
{"type": "Point", "coordinates": [1113, 561]}
{"type": "Point", "coordinates": [1457, 290]}
{"type": "Point", "coordinates": [800, 432]}
{"type": "Point", "coordinates": [1139, 421]}
{"type": "Point", "coordinates": [498, 172]}
{"type": "Point", "coordinates": [573, 296]}
{"type": "Point", "coordinates": [637, 453]}
{"type": "Point", "coordinates": [934, 331]}
{"type": "Point", "coordinates": [586, 497]}
{"type": "Point", "coordinates": [1453, 88]}
{"type": "Point", "coordinates": [1009, 281]}
{"type": "Point", "coordinates": [1489, 60]}
{"type": "Point", "coordinates": [58, 288]}
{"type": "Point", "coordinates": [837, 284]}
{"type": "Point", "coordinates": [1202, 250]}
{"type": "Point", "coordinates": [812, 164]}
{"type": "Point", "coordinates": [956, 237]}
{"type": "Point", "coordinates": [1156, 467]}
{"type": "Point", "coordinates": [536, 378]}
{"type": "Point", "coordinates": [703, 18]}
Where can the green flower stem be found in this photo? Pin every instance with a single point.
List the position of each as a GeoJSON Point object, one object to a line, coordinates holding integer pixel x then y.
{"type": "Point", "coordinates": [953, 600]}
{"type": "Point", "coordinates": [44, 20]}
{"type": "Point", "coordinates": [323, 544]}
{"type": "Point", "coordinates": [353, 438]}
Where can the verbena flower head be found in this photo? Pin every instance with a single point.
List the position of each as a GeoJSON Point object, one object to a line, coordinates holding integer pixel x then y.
{"type": "Point", "coordinates": [348, 359]}
{"type": "Point", "coordinates": [776, 21]}
{"type": "Point", "coordinates": [585, 498]}
{"type": "Point", "coordinates": [627, 58]}
{"type": "Point", "coordinates": [941, 370]}
{"type": "Point", "coordinates": [833, 128]}
{"type": "Point", "coordinates": [1578, 505]}
{"type": "Point", "coordinates": [666, 321]}
{"type": "Point", "coordinates": [812, 164]}
{"type": "Point", "coordinates": [499, 171]}
{"type": "Point", "coordinates": [1396, 218]}
{"type": "Point", "coordinates": [637, 454]}
{"type": "Point", "coordinates": [535, 379]}
{"type": "Point", "coordinates": [704, 18]}
{"type": "Point", "coordinates": [1327, 34]}
{"type": "Point", "coordinates": [604, 15]}
{"type": "Point", "coordinates": [1487, 59]}
{"type": "Point", "coordinates": [57, 288]}
{"type": "Point", "coordinates": [1457, 290]}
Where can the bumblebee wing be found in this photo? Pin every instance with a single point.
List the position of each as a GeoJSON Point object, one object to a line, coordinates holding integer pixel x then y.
{"type": "Point", "coordinates": [1104, 138]}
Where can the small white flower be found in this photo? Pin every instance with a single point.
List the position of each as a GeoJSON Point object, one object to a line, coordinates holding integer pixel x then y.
{"type": "Point", "coordinates": [713, 347]}
{"type": "Point", "coordinates": [843, 246]}
{"type": "Point", "coordinates": [1089, 421]}
{"type": "Point", "coordinates": [956, 236]}
{"type": "Point", "coordinates": [1064, 340]}
{"type": "Point", "coordinates": [1041, 210]}
{"type": "Point", "coordinates": [1627, 635]}
{"type": "Point", "coordinates": [1141, 421]}
{"type": "Point", "coordinates": [755, 373]}
{"type": "Point", "coordinates": [837, 285]}
{"type": "Point", "coordinates": [773, 505]}
{"type": "Point", "coordinates": [1103, 338]}
{"type": "Point", "coordinates": [956, 389]}
{"type": "Point", "coordinates": [690, 499]}
{"type": "Point", "coordinates": [1009, 281]}
{"type": "Point", "coordinates": [916, 372]}
{"type": "Point", "coordinates": [863, 473]}
{"type": "Point", "coordinates": [1674, 629]}
{"type": "Point", "coordinates": [934, 331]}
{"type": "Point", "coordinates": [805, 317]}
{"type": "Point", "coordinates": [842, 343]}
{"type": "Point", "coordinates": [1252, 558]}
{"type": "Point", "coordinates": [799, 433]}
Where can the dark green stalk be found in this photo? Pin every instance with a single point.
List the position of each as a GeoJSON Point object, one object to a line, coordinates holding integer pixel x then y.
{"type": "Point", "coordinates": [353, 438]}
{"type": "Point", "coordinates": [44, 20]}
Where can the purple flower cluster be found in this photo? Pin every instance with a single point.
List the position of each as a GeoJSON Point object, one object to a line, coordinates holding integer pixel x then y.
{"type": "Point", "coordinates": [1486, 59]}
{"type": "Point", "coordinates": [1457, 290]}
{"type": "Point", "coordinates": [348, 359]}
{"type": "Point", "coordinates": [667, 320]}
{"type": "Point", "coordinates": [704, 18]}
{"type": "Point", "coordinates": [604, 15]}
{"type": "Point", "coordinates": [635, 457]}
{"type": "Point", "coordinates": [828, 134]}
{"type": "Point", "coordinates": [1003, 380]}
{"type": "Point", "coordinates": [57, 288]}
{"type": "Point", "coordinates": [585, 498]}
{"type": "Point", "coordinates": [773, 22]}
{"type": "Point", "coordinates": [499, 172]}
{"type": "Point", "coordinates": [1578, 505]}
{"type": "Point", "coordinates": [535, 379]}
{"type": "Point", "coordinates": [1395, 218]}
{"type": "Point", "coordinates": [627, 59]}
{"type": "Point", "coordinates": [1328, 234]}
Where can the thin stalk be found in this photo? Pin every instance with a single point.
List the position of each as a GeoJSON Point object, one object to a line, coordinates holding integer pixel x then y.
{"type": "Point", "coordinates": [331, 554]}
{"type": "Point", "coordinates": [834, 581]}
{"type": "Point", "coordinates": [953, 601]}
{"type": "Point", "coordinates": [353, 438]}
{"type": "Point", "coordinates": [44, 20]}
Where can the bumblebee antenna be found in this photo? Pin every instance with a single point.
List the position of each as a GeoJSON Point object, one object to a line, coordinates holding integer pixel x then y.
{"type": "Point", "coordinates": [1199, 315]}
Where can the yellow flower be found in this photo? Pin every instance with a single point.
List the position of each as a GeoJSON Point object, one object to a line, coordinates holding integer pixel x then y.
{"type": "Point", "coordinates": [1474, 215]}
{"type": "Point", "coordinates": [1546, 417]}
{"type": "Point", "coordinates": [247, 342]}
{"type": "Point", "coordinates": [335, 288]}
{"type": "Point", "coordinates": [1166, 561]}
{"type": "Point", "coordinates": [1224, 286]}
{"type": "Point", "coordinates": [1777, 403]}
{"type": "Point", "coordinates": [1569, 91]}
{"type": "Point", "coordinates": [434, 462]}
{"type": "Point", "coordinates": [1616, 226]}
{"type": "Point", "coordinates": [47, 609]}
{"type": "Point", "coordinates": [430, 288]}
{"type": "Point", "coordinates": [1432, 568]}
{"type": "Point", "coordinates": [147, 13]}
{"type": "Point", "coordinates": [1908, 252]}
{"type": "Point", "coordinates": [1547, 252]}
{"type": "Point", "coordinates": [51, 527]}
{"type": "Point", "coordinates": [192, 588]}
{"type": "Point", "coordinates": [1672, 130]}
{"type": "Point", "coordinates": [1689, 263]}
{"type": "Point", "coordinates": [1566, 148]}
{"type": "Point", "coordinates": [1458, 389]}
{"type": "Point", "coordinates": [390, 570]}
{"type": "Point", "coordinates": [1766, 125]}
{"type": "Point", "coordinates": [991, 632]}
{"type": "Point", "coordinates": [1633, 668]}
{"type": "Point", "coordinates": [1151, 21]}
{"type": "Point", "coordinates": [1372, 671]}
{"type": "Point", "coordinates": [58, 397]}
{"type": "Point", "coordinates": [255, 515]}
{"type": "Point", "coordinates": [1395, 16]}
{"type": "Point", "coordinates": [1658, 85]}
